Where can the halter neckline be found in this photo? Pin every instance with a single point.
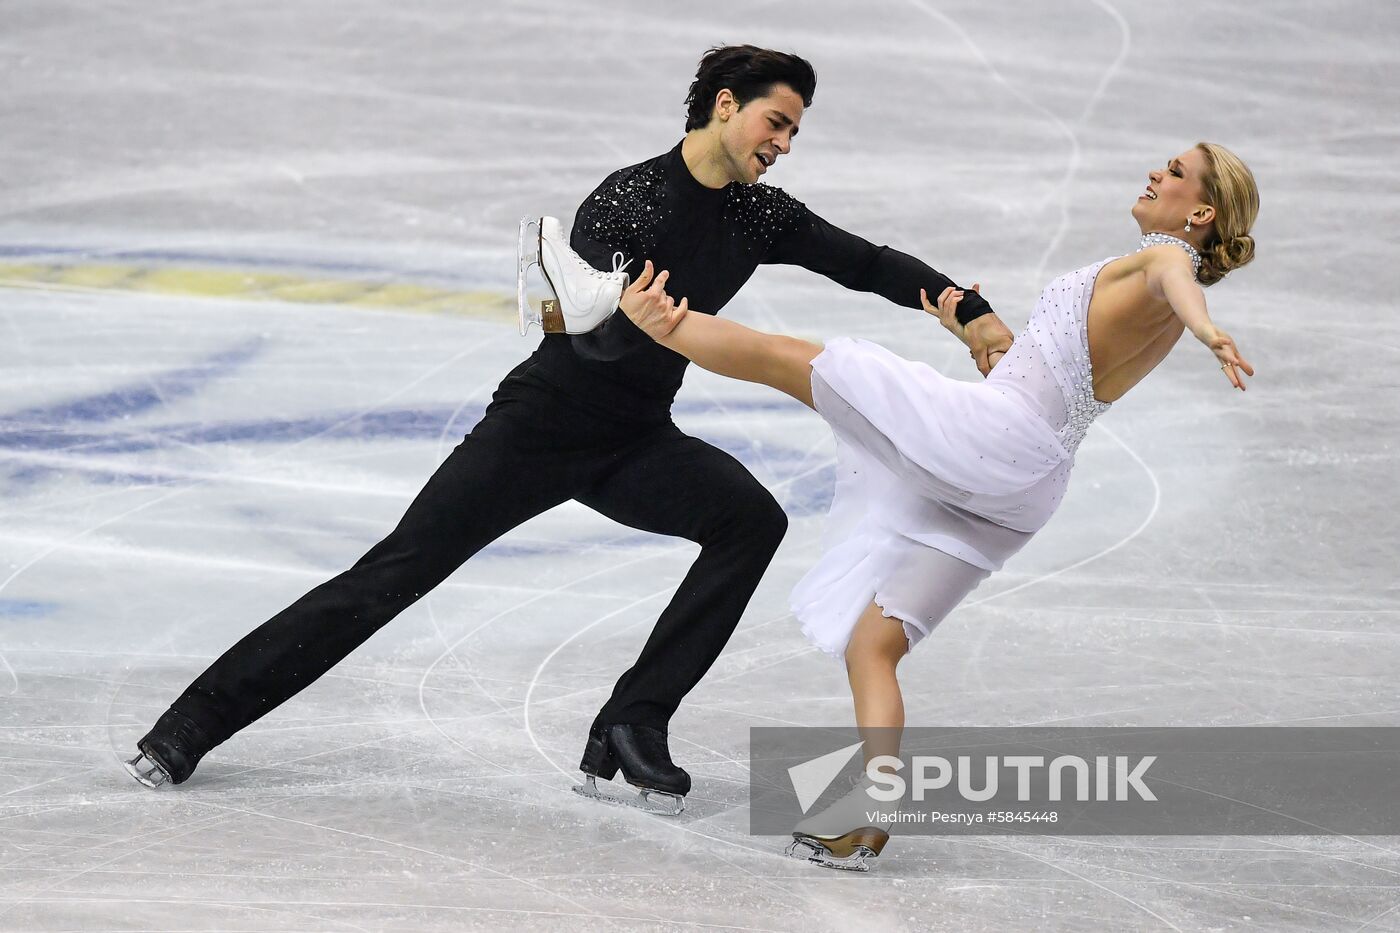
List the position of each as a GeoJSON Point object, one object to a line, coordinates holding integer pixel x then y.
{"type": "Point", "coordinates": [1166, 239]}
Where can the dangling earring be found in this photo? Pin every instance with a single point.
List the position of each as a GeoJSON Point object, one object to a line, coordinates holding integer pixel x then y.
{"type": "Point", "coordinates": [1188, 224]}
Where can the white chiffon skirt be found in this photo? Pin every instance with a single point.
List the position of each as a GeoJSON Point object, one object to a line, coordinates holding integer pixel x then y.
{"type": "Point", "coordinates": [938, 483]}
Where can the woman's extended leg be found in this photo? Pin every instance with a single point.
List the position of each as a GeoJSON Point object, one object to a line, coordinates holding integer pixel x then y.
{"type": "Point", "coordinates": [731, 349]}
{"type": "Point", "coordinates": [846, 833]}
{"type": "Point", "coordinates": [723, 347]}
{"type": "Point", "coordinates": [877, 645]}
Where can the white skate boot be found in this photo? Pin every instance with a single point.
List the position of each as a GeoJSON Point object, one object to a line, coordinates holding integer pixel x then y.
{"type": "Point", "coordinates": [583, 297]}
{"type": "Point", "coordinates": [842, 836]}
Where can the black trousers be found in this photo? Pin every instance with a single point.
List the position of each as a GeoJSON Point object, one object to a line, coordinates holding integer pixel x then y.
{"type": "Point", "coordinates": [531, 451]}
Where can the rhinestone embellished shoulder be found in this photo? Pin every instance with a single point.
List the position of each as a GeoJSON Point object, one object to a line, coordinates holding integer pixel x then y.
{"type": "Point", "coordinates": [627, 207]}
{"type": "Point", "coordinates": [1166, 239]}
{"type": "Point", "coordinates": [761, 214]}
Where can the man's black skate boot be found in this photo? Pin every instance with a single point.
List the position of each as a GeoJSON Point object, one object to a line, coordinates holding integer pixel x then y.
{"type": "Point", "coordinates": [597, 760]}
{"type": "Point", "coordinates": [170, 751]}
{"type": "Point", "coordinates": [642, 754]}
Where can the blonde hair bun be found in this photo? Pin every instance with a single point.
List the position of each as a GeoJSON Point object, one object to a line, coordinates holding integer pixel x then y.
{"type": "Point", "coordinates": [1228, 186]}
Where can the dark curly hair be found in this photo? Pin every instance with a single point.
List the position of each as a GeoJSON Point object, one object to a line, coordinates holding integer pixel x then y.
{"type": "Point", "coordinates": [749, 72]}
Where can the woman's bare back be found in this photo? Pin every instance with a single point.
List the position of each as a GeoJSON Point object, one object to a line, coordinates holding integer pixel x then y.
{"type": "Point", "coordinates": [1130, 331]}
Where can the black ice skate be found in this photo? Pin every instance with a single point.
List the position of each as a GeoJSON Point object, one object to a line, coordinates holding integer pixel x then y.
{"type": "Point", "coordinates": [582, 297]}
{"type": "Point", "coordinates": [169, 752]}
{"type": "Point", "coordinates": [645, 760]}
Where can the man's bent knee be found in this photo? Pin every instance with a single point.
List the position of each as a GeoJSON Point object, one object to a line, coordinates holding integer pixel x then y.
{"type": "Point", "coordinates": [766, 522]}
{"type": "Point", "coordinates": [753, 518]}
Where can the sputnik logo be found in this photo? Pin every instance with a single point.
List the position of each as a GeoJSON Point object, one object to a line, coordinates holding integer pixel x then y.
{"type": "Point", "coordinates": [811, 778]}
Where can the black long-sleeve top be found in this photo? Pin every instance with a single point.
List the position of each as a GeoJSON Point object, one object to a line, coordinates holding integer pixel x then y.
{"type": "Point", "coordinates": [712, 241]}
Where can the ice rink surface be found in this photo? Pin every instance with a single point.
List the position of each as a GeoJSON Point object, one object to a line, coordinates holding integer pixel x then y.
{"type": "Point", "coordinates": [255, 273]}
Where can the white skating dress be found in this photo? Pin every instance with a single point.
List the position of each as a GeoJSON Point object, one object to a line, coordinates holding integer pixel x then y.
{"type": "Point", "coordinates": [940, 481]}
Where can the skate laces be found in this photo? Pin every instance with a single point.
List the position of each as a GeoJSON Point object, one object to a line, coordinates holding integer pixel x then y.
{"type": "Point", "coordinates": [620, 264]}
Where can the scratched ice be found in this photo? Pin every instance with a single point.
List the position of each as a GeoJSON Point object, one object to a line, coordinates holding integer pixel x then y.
{"type": "Point", "coordinates": [256, 265]}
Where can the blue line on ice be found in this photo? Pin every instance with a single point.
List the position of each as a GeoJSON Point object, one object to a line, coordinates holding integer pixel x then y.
{"type": "Point", "coordinates": [24, 609]}
{"type": "Point", "coordinates": [104, 431]}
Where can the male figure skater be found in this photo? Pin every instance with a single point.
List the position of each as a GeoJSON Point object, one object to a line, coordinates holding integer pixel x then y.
{"type": "Point", "coordinates": [587, 418]}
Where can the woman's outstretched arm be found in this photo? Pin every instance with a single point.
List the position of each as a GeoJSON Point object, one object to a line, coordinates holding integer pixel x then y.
{"type": "Point", "coordinates": [1170, 278]}
{"type": "Point", "coordinates": [721, 346]}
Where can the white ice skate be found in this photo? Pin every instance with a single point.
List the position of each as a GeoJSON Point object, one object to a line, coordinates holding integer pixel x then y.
{"type": "Point", "coordinates": [842, 836]}
{"type": "Point", "coordinates": [582, 297]}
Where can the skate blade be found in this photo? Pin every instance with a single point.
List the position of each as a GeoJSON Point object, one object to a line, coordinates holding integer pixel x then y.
{"type": "Point", "coordinates": [146, 771]}
{"type": "Point", "coordinates": [811, 850]}
{"type": "Point", "coordinates": [527, 254]}
{"type": "Point", "coordinates": [648, 801]}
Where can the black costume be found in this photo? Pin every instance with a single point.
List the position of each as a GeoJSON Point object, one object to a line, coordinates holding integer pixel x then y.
{"type": "Point", "coordinates": [587, 418]}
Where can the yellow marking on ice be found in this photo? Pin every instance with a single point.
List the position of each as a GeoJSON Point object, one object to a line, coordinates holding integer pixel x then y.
{"type": "Point", "coordinates": [396, 295]}
{"type": "Point", "coordinates": [94, 276]}
{"type": "Point", "coordinates": [255, 285]}
{"type": "Point", "coordinates": [29, 273]}
{"type": "Point", "coordinates": [211, 283]}
{"type": "Point", "coordinates": [310, 291]}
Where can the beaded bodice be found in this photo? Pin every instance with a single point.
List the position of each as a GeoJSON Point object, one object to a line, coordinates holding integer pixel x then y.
{"type": "Point", "coordinates": [1083, 409]}
{"type": "Point", "coordinates": [1049, 363]}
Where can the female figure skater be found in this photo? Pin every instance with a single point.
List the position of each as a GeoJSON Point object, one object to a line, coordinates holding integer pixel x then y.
{"type": "Point", "coordinates": [940, 481]}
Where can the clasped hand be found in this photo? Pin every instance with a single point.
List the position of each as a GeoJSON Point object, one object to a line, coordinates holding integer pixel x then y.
{"type": "Point", "coordinates": [653, 311]}
{"type": "Point", "coordinates": [987, 338]}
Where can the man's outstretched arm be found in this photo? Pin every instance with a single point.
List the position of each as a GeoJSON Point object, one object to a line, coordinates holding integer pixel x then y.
{"type": "Point", "coordinates": [858, 264]}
